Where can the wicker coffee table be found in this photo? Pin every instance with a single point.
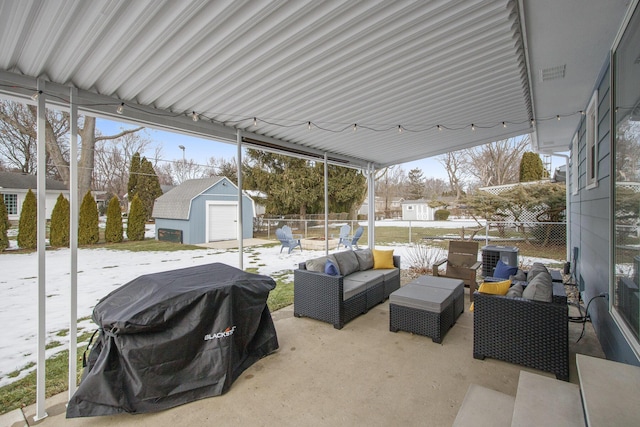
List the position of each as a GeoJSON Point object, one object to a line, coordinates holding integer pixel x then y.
{"type": "Point", "coordinates": [422, 309]}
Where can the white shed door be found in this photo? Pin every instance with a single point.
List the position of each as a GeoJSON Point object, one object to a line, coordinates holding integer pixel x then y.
{"type": "Point", "coordinates": [223, 222]}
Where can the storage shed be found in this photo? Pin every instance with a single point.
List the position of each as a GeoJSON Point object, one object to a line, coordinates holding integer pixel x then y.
{"type": "Point", "coordinates": [202, 210]}
{"type": "Point", "coordinates": [417, 210]}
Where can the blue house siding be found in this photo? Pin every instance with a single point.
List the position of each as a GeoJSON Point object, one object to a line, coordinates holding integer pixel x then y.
{"type": "Point", "coordinates": [591, 229]}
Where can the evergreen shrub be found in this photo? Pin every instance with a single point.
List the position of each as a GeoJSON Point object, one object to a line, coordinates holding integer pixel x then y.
{"type": "Point", "coordinates": [136, 220]}
{"type": "Point", "coordinates": [88, 230]}
{"type": "Point", "coordinates": [113, 231]}
{"type": "Point", "coordinates": [441, 215]}
{"type": "Point", "coordinates": [4, 225]}
{"type": "Point", "coordinates": [59, 226]}
{"type": "Point", "coordinates": [28, 225]}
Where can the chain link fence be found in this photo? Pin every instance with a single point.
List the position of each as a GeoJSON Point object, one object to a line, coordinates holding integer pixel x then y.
{"type": "Point", "coordinates": [533, 239]}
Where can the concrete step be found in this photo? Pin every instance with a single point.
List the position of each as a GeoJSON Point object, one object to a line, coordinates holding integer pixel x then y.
{"type": "Point", "coordinates": [483, 407]}
{"type": "Point", "coordinates": [610, 391]}
{"type": "Point", "coordinates": [545, 401]}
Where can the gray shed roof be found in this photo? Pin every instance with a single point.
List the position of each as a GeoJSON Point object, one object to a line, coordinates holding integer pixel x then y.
{"type": "Point", "coordinates": [23, 181]}
{"type": "Point", "coordinates": [175, 203]}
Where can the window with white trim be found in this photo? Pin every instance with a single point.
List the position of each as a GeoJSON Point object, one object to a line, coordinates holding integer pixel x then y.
{"type": "Point", "coordinates": [626, 183]}
{"type": "Point", "coordinates": [11, 202]}
{"type": "Point", "coordinates": [592, 142]}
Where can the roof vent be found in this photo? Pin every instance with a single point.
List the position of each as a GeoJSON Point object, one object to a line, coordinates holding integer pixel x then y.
{"type": "Point", "coordinates": [553, 73]}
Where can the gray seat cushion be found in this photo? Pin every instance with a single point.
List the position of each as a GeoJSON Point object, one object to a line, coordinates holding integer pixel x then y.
{"type": "Point", "coordinates": [352, 287]}
{"type": "Point", "coordinates": [422, 297]}
{"type": "Point", "coordinates": [316, 264]}
{"type": "Point", "coordinates": [347, 262]}
{"type": "Point", "coordinates": [365, 259]}
{"type": "Point", "coordinates": [536, 269]}
{"type": "Point", "coordinates": [371, 277]}
{"type": "Point", "coordinates": [389, 273]}
{"type": "Point", "coordinates": [515, 290]}
{"type": "Point", "coordinates": [455, 285]}
{"type": "Point", "coordinates": [540, 288]}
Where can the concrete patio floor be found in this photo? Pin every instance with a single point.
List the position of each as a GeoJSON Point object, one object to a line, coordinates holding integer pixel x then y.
{"type": "Point", "coordinates": [320, 376]}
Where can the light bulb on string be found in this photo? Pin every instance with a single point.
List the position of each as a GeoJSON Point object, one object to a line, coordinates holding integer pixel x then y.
{"type": "Point", "coordinates": [399, 128]}
{"type": "Point", "coordinates": [439, 128]}
{"type": "Point", "coordinates": [473, 127]}
{"type": "Point", "coordinates": [120, 108]}
{"type": "Point", "coordinates": [533, 122]}
{"type": "Point", "coordinates": [36, 95]}
{"type": "Point", "coordinates": [504, 124]}
{"type": "Point", "coordinates": [558, 117]}
{"type": "Point", "coordinates": [309, 125]}
{"type": "Point", "coordinates": [255, 121]}
{"type": "Point", "coordinates": [194, 116]}
{"type": "Point", "coordinates": [355, 127]}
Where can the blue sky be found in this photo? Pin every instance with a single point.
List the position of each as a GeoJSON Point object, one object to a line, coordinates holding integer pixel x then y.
{"type": "Point", "coordinates": [200, 150]}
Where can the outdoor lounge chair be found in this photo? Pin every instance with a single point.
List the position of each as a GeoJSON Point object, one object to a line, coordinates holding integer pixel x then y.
{"type": "Point", "coordinates": [344, 235]}
{"type": "Point", "coordinates": [351, 241]}
{"type": "Point", "coordinates": [287, 241]}
{"type": "Point", "coordinates": [462, 263]}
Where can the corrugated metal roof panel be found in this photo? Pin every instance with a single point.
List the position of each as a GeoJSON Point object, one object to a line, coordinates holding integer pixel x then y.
{"type": "Point", "coordinates": [379, 64]}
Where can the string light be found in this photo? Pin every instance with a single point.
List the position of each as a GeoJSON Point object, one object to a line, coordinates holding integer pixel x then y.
{"type": "Point", "coordinates": [310, 125]}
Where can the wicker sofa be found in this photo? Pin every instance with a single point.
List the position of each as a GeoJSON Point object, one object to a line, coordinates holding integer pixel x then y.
{"type": "Point", "coordinates": [524, 331]}
{"type": "Point", "coordinates": [337, 299]}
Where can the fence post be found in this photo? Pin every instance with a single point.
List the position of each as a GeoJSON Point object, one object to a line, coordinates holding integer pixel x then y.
{"type": "Point", "coordinates": [409, 231]}
{"type": "Point", "coordinates": [486, 233]}
{"type": "Point", "coordinates": [305, 228]}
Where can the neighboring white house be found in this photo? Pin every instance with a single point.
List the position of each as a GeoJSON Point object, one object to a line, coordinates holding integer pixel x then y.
{"type": "Point", "coordinates": [417, 210]}
{"type": "Point", "coordinates": [14, 187]}
{"type": "Point", "coordinates": [202, 210]}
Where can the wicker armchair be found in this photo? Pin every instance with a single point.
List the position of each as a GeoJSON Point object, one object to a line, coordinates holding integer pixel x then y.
{"type": "Point", "coordinates": [522, 331]}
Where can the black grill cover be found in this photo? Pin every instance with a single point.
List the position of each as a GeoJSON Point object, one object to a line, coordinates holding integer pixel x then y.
{"type": "Point", "coordinates": [175, 337]}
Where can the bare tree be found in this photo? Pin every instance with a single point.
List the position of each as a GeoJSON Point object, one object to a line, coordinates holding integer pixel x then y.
{"type": "Point", "coordinates": [389, 184]}
{"type": "Point", "coordinates": [435, 187]}
{"type": "Point", "coordinates": [453, 163]}
{"type": "Point", "coordinates": [112, 160]}
{"type": "Point", "coordinates": [497, 163]}
{"type": "Point", "coordinates": [165, 173]}
{"type": "Point", "coordinates": [187, 169]}
{"type": "Point", "coordinates": [57, 128]}
{"type": "Point", "coordinates": [18, 140]}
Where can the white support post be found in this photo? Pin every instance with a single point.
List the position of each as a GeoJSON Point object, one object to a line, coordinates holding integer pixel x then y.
{"type": "Point", "coordinates": [371, 183]}
{"type": "Point", "coordinates": [240, 226]}
{"type": "Point", "coordinates": [73, 239]}
{"type": "Point", "coordinates": [326, 205]}
{"type": "Point", "coordinates": [42, 228]}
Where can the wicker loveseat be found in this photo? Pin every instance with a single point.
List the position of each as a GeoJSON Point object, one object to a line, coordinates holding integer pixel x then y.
{"type": "Point", "coordinates": [524, 331]}
{"type": "Point", "coordinates": [355, 289]}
